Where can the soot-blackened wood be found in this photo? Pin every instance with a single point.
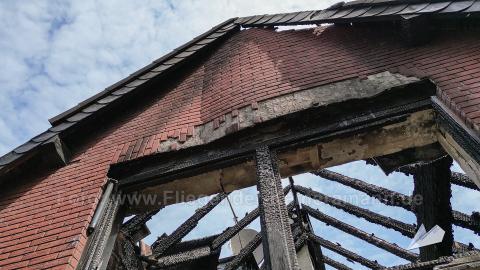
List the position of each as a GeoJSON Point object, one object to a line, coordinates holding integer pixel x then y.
{"type": "Point", "coordinates": [163, 244]}
{"type": "Point", "coordinates": [235, 229]}
{"type": "Point", "coordinates": [432, 206]}
{"type": "Point", "coordinates": [387, 222]}
{"type": "Point", "coordinates": [335, 264]}
{"type": "Point", "coordinates": [335, 247]}
{"type": "Point", "coordinates": [368, 237]}
{"type": "Point", "coordinates": [278, 245]}
{"type": "Point", "coordinates": [314, 249]}
{"type": "Point", "coordinates": [394, 198]}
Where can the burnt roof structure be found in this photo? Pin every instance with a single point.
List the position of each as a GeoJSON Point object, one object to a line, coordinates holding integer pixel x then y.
{"type": "Point", "coordinates": [394, 83]}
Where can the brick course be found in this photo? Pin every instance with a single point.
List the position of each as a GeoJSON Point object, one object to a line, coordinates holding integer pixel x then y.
{"type": "Point", "coordinates": [44, 221]}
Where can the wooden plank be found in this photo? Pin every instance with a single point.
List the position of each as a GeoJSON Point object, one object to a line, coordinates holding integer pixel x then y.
{"type": "Point", "coordinates": [278, 245]}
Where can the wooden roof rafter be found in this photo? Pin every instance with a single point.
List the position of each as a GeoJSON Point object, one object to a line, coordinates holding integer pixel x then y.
{"type": "Point", "coordinates": [393, 198]}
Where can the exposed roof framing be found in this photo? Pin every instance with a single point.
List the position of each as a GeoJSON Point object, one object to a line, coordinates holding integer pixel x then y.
{"type": "Point", "coordinates": [193, 250]}
{"type": "Point", "coordinates": [345, 252]}
{"type": "Point", "coordinates": [370, 238]}
{"type": "Point", "coordinates": [164, 243]}
{"type": "Point", "coordinates": [406, 229]}
{"type": "Point", "coordinates": [233, 230]}
{"type": "Point", "coordinates": [393, 198]}
{"type": "Point", "coordinates": [388, 222]}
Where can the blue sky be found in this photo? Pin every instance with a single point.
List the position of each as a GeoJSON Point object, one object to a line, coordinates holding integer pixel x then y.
{"type": "Point", "coordinates": [57, 53]}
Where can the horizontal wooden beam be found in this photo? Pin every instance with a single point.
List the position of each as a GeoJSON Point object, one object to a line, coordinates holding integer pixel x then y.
{"type": "Point", "coordinates": [164, 243]}
{"type": "Point", "coordinates": [393, 198]}
{"type": "Point", "coordinates": [387, 222]}
{"type": "Point", "coordinates": [335, 264]}
{"type": "Point", "coordinates": [345, 252]}
{"type": "Point", "coordinates": [368, 237]}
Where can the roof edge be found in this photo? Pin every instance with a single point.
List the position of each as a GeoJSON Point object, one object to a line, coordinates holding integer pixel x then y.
{"type": "Point", "coordinates": [155, 63]}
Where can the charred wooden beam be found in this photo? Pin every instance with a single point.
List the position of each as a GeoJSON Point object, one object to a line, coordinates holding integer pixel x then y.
{"type": "Point", "coordinates": [298, 211]}
{"type": "Point", "coordinates": [432, 188]}
{"type": "Point", "coordinates": [345, 252]}
{"type": "Point", "coordinates": [456, 178]}
{"type": "Point", "coordinates": [124, 255]}
{"type": "Point", "coordinates": [463, 220]}
{"type": "Point", "coordinates": [183, 257]}
{"type": "Point", "coordinates": [162, 244]}
{"type": "Point", "coordinates": [191, 244]}
{"type": "Point", "coordinates": [134, 227]}
{"type": "Point", "coordinates": [244, 253]}
{"type": "Point", "coordinates": [384, 195]}
{"type": "Point", "coordinates": [404, 228]}
{"type": "Point", "coordinates": [300, 241]}
{"type": "Point", "coordinates": [430, 264]}
{"type": "Point", "coordinates": [335, 264]}
{"type": "Point", "coordinates": [278, 245]}
{"type": "Point", "coordinates": [392, 198]}
{"type": "Point", "coordinates": [370, 238]}
{"type": "Point", "coordinates": [314, 249]}
{"type": "Point", "coordinates": [233, 230]}
{"type": "Point", "coordinates": [463, 180]}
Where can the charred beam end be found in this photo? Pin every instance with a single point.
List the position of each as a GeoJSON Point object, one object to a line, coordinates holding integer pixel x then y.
{"type": "Point", "coordinates": [466, 221]}
{"type": "Point", "coordinates": [134, 226]}
{"type": "Point", "coordinates": [370, 238]}
{"type": "Point", "coordinates": [432, 185]}
{"type": "Point", "coordinates": [463, 180]}
{"type": "Point", "coordinates": [278, 245]}
{"type": "Point", "coordinates": [163, 244]}
{"type": "Point", "coordinates": [387, 222]}
{"type": "Point", "coordinates": [392, 198]}
{"type": "Point", "coordinates": [345, 252]}
{"type": "Point", "coordinates": [456, 178]}
{"type": "Point", "coordinates": [335, 264]}
{"type": "Point", "coordinates": [244, 253]}
{"type": "Point", "coordinates": [233, 230]}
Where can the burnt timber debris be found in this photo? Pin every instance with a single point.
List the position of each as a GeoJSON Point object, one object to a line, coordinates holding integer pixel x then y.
{"type": "Point", "coordinates": [393, 198]}
{"type": "Point", "coordinates": [397, 117]}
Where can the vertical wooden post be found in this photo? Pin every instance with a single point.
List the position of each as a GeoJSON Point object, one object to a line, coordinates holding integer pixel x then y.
{"type": "Point", "coordinates": [432, 204]}
{"type": "Point", "coordinates": [314, 249]}
{"type": "Point", "coordinates": [277, 240]}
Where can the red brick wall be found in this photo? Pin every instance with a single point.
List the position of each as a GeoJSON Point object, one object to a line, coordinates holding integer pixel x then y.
{"type": "Point", "coordinates": [44, 221]}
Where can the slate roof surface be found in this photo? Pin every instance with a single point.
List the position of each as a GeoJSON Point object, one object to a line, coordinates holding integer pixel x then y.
{"type": "Point", "coordinates": [342, 12]}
